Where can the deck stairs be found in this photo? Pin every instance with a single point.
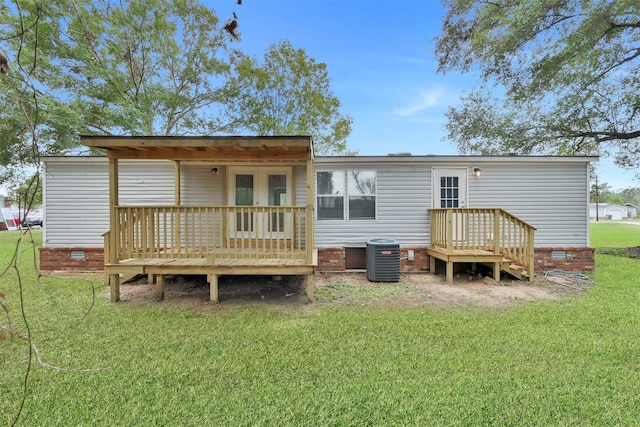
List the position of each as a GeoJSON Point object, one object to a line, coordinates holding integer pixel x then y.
{"type": "Point", "coordinates": [490, 236]}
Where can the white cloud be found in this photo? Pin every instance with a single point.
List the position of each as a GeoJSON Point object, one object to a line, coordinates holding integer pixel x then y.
{"type": "Point", "coordinates": [428, 99]}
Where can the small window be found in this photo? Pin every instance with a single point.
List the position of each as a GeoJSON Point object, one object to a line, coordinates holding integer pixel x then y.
{"type": "Point", "coordinates": [330, 188]}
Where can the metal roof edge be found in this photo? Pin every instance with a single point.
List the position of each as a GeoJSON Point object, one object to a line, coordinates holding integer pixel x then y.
{"type": "Point", "coordinates": [455, 158]}
{"type": "Point", "coordinates": [391, 159]}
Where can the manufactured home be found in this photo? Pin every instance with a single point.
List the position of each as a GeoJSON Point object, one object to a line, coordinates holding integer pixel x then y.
{"type": "Point", "coordinates": [266, 205]}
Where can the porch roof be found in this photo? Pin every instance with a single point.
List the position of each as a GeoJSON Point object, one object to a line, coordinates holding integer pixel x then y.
{"type": "Point", "coordinates": [217, 148]}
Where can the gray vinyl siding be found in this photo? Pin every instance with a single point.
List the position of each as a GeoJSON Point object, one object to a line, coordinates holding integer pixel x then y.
{"type": "Point", "coordinates": [300, 179]}
{"type": "Point", "coordinates": [403, 197]}
{"type": "Point", "coordinates": [199, 187]}
{"type": "Point", "coordinates": [76, 197]}
{"type": "Point", "coordinates": [550, 196]}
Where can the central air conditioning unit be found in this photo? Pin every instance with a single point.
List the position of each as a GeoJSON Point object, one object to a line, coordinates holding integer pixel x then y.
{"type": "Point", "coordinates": [383, 260]}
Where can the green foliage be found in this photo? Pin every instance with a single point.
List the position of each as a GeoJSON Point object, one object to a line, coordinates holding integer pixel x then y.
{"type": "Point", "coordinates": [565, 362]}
{"type": "Point", "coordinates": [103, 67]}
{"type": "Point", "coordinates": [137, 67]}
{"type": "Point", "coordinates": [153, 67]}
{"type": "Point", "coordinates": [631, 195]}
{"type": "Point", "coordinates": [288, 93]}
{"type": "Point", "coordinates": [606, 195]}
{"type": "Point", "coordinates": [558, 77]}
{"type": "Point", "coordinates": [29, 193]}
{"type": "Point", "coordinates": [147, 67]}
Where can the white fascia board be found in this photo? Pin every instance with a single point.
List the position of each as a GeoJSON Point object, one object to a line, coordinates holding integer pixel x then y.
{"type": "Point", "coordinates": [455, 159]}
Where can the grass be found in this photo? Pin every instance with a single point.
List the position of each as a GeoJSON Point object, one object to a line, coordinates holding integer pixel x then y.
{"type": "Point", "coordinates": [347, 291]}
{"type": "Point", "coordinates": [616, 238]}
{"type": "Point", "coordinates": [574, 361]}
{"type": "Point", "coordinates": [617, 234]}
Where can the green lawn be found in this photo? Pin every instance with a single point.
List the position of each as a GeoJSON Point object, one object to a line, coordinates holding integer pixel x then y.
{"type": "Point", "coordinates": [574, 361]}
{"type": "Point", "coordinates": [614, 234]}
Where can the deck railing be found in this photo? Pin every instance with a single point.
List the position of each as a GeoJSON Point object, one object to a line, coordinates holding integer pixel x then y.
{"type": "Point", "coordinates": [490, 229]}
{"type": "Point", "coordinates": [269, 232]}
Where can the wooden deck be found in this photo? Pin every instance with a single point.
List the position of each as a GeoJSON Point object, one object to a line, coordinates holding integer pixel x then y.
{"type": "Point", "coordinates": [488, 236]}
{"type": "Point", "coordinates": [451, 256]}
{"type": "Point", "coordinates": [157, 268]}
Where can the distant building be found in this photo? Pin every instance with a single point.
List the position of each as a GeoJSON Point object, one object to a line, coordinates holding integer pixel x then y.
{"type": "Point", "coordinates": [612, 211]}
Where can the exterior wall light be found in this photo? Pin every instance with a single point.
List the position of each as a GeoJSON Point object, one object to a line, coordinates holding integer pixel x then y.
{"type": "Point", "coordinates": [215, 171]}
{"type": "Point", "coordinates": [477, 171]}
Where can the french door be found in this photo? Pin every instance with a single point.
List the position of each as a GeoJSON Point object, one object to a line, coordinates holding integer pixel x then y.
{"type": "Point", "coordinates": [265, 187]}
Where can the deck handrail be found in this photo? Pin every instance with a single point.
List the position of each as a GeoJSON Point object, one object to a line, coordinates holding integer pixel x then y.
{"type": "Point", "coordinates": [489, 229]}
{"type": "Point", "coordinates": [259, 232]}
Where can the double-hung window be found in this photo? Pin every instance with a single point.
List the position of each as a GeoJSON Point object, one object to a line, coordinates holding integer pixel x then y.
{"type": "Point", "coordinates": [330, 189]}
{"type": "Point", "coordinates": [361, 190]}
{"type": "Point", "coordinates": [346, 193]}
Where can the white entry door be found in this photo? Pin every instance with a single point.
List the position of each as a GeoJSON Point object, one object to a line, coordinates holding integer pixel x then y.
{"type": "Point", "coordinates": [450, 191]}
{"type": "Point", "coordinates": [260, 186]}
{"type": "Point", "coordinates": [449, 187]}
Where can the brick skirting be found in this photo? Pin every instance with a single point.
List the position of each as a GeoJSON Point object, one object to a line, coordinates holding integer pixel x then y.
{"type": "Point", "coordinates": [577, 259]}
{"type": "Point", "coordinates": [60, 259]}
{"type": "Point", "coordinates": [332, 259]}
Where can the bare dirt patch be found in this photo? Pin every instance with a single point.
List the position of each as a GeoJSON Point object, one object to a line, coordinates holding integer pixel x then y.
{"type": "Point", "coordinates": [413, 290]}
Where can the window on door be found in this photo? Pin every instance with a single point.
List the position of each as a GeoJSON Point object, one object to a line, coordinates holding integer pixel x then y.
{"type": "Point", "coordinates": [449, 187]}
{"type": "Point", "coordinates": [449, 192]}
{"type": "Point", "coordinates": [244, 197]}
{"type": "Point", "coordinates": [276, 196]}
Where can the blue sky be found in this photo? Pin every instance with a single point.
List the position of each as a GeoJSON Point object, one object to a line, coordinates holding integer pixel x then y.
{"type": "Point", "coordinates": [379, 55]}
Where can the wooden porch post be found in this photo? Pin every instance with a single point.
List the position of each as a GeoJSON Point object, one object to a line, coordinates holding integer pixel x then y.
{"type": "Point", "coordinates": [114, 227]}
{"type": "Point", "coordinates": [449, 270]}
{"type": "Point", "coordinates": [160, 287]}
{"type": "Point", "coordinates": [310, 283]}
{"type": "Point", "coordinates": [309, 225]}
{"type": "Point", "coordinates": [213, 287]}
{"type": "Point", "coordinates": [176, 181]}
{"type": "Point", "coordinates": [496, 232]}
{"type": "Point", "coordinates": [531, 251]}
{"type": "Point", "coordinates": [177, 196]}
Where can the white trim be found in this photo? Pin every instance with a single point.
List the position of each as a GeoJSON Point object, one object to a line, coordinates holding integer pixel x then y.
{"type": "Point", "coordinates": [456, 159]}
{"type": "Point", "coordinates": [345, 196]}
{"type": "Point", "coordinates": [381, 159]}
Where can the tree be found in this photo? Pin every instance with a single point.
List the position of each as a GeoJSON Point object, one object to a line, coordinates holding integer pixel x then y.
{"type": "Point", "coordinates": [288, 94]}
{"type": "Point", "coordinates": [604, 194]}
{"type": "Point", "coordinates": [28, 195]}
{"type": "Point", "coordinates": [631, 195]}
{"type": "Point", "coordinates": [152, 67]}
{"type": "Point", "coordinates": [557, 76]}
